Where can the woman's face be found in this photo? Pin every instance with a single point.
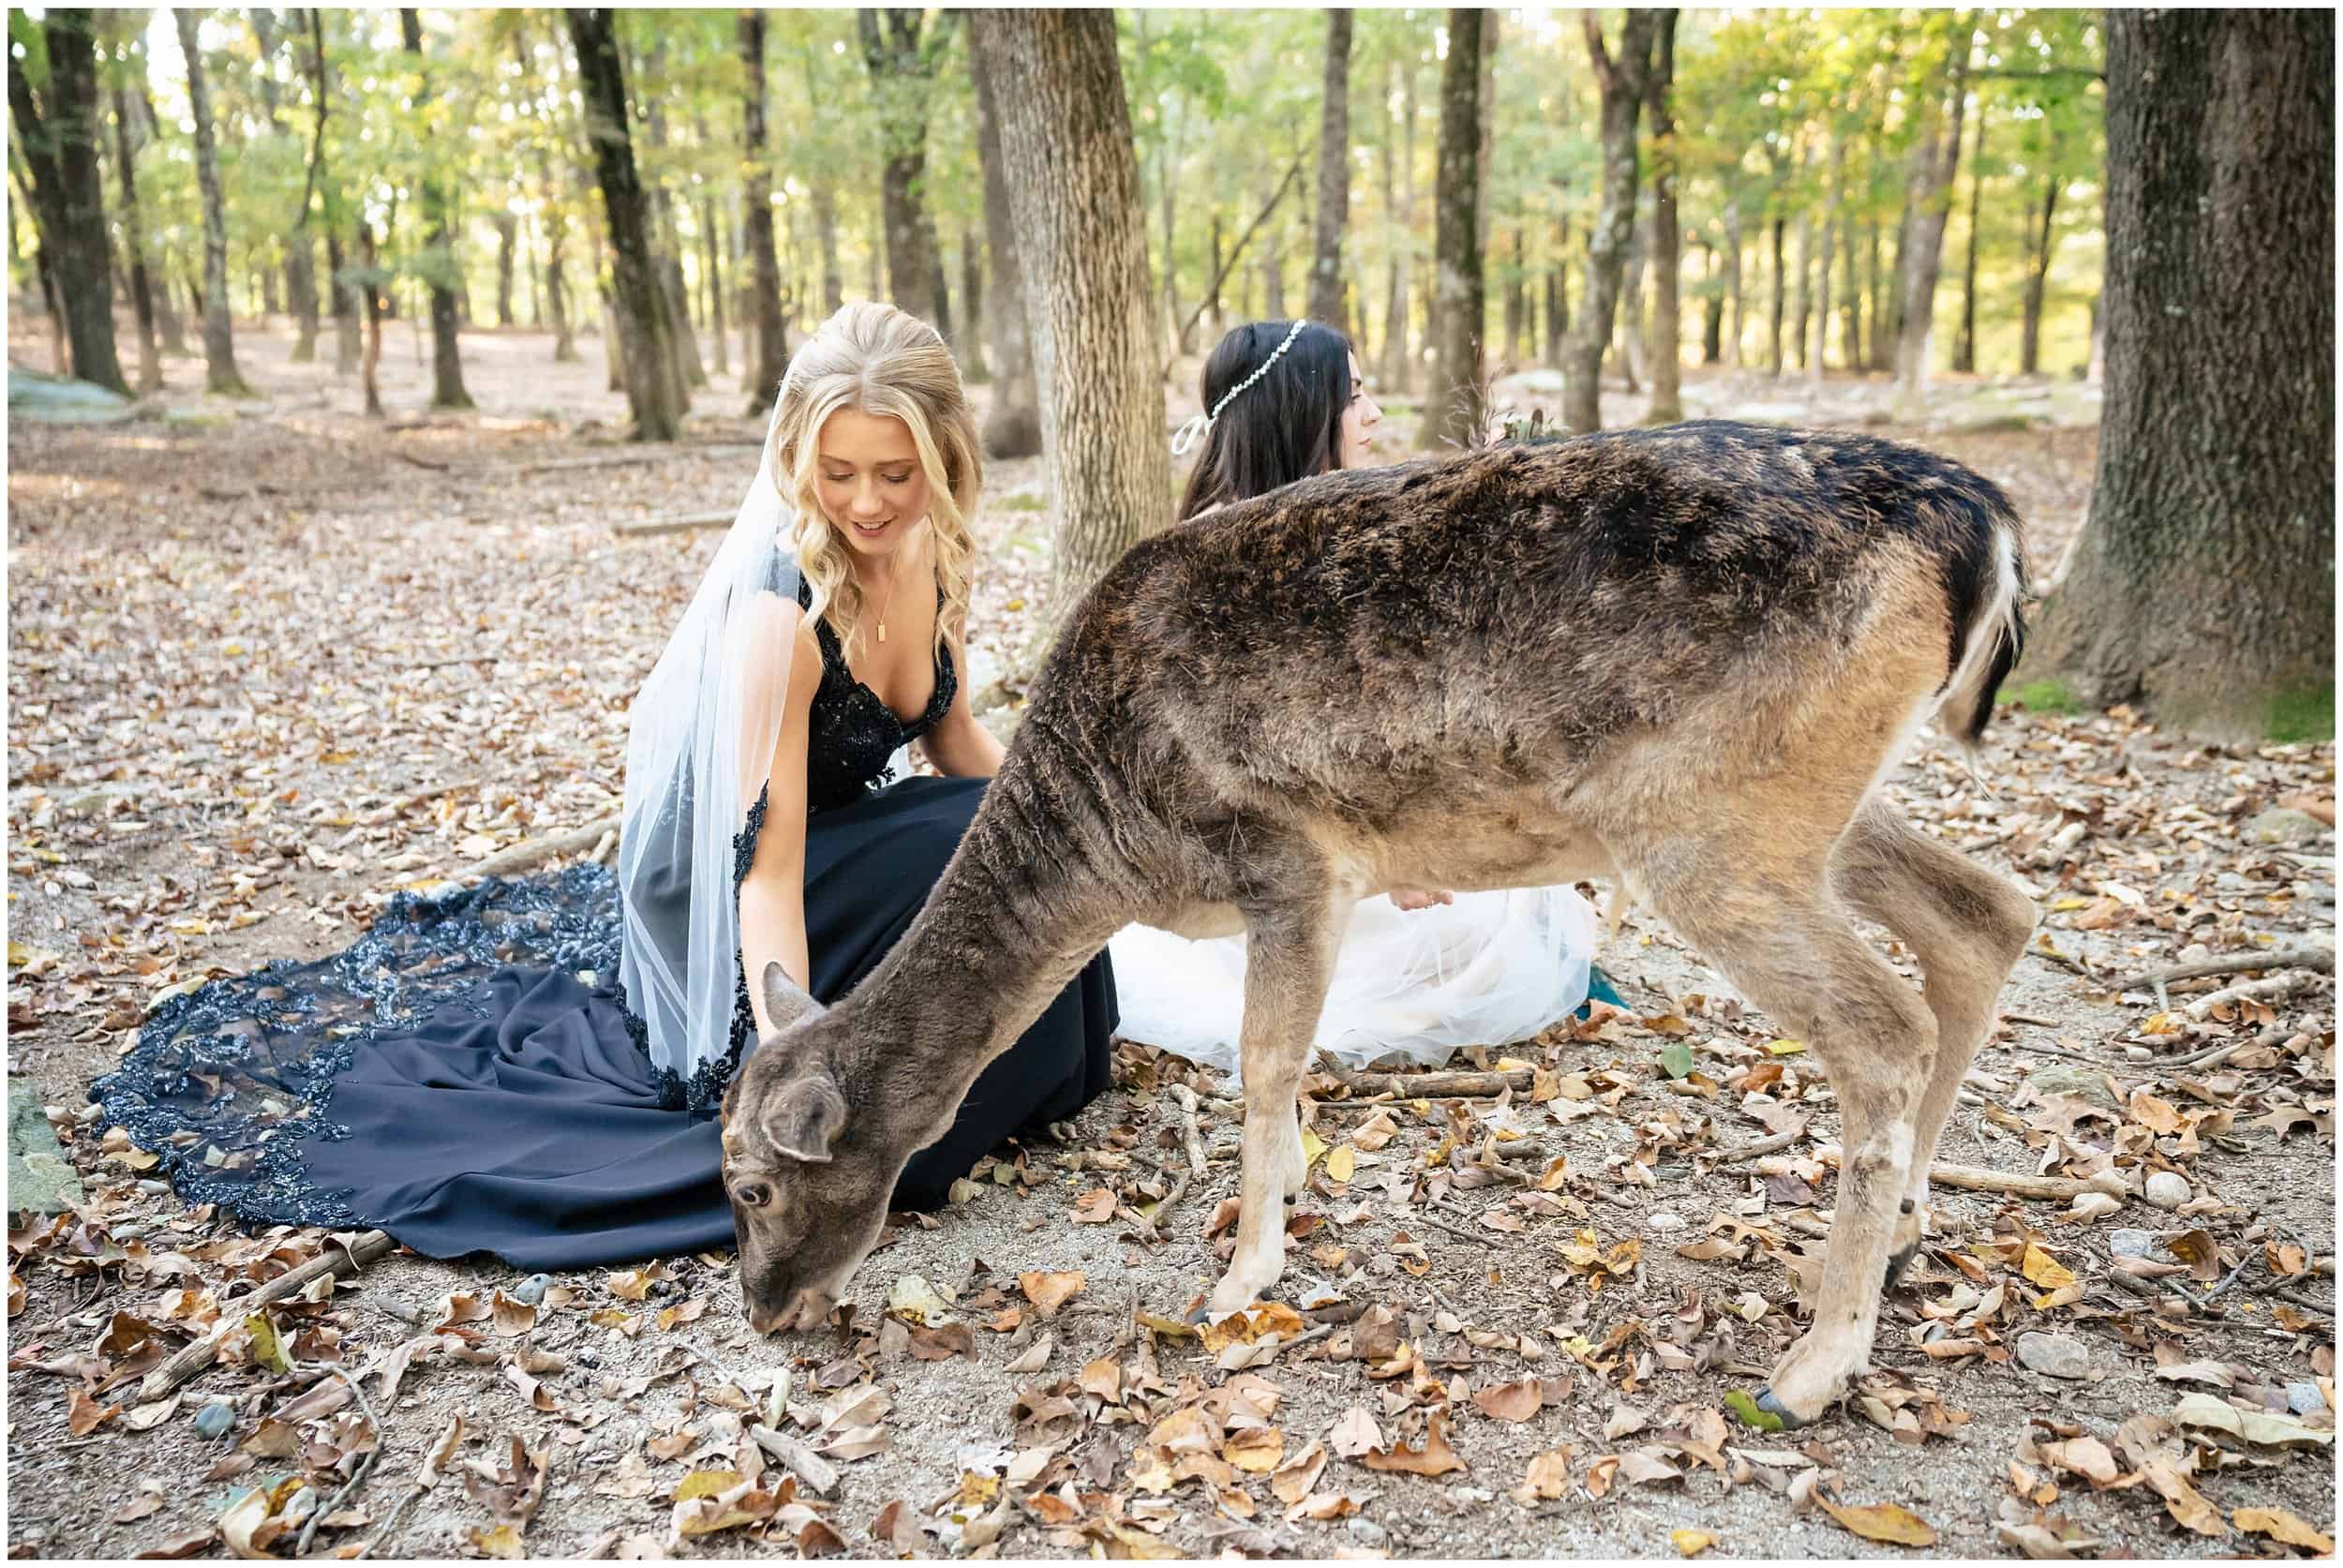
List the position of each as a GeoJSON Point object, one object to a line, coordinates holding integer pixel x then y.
{"type": "Point", "coordinates": [1360, 417]}
{"type": "Point", "coordinates": [866, 472]}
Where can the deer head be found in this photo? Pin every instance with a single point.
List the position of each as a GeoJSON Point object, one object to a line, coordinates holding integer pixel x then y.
{"type": "Point", "coordinates": [808, 1173]}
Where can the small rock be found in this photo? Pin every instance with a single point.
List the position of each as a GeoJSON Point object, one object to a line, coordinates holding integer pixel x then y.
{"type": "Point", "coordinates": [299, 1506]}
{"type": "Point", "coordinates": [2057, 1078]}
{"type": "Point", "coordinates": [2284, 825]}
{"type": "Point", "coordinates": [1664, 1221]}
{"type": "Point", "coordinates": [128, 1230]}
{"type": "Point", "coordinates": [1366, 1531]}
{"type": "Point", "coordinates": [2304, 1398]}
{"type": "Point", "coordinates": [148, 1184]}
{"type": "Point", "coordinates": [2053, 1355]}
{"type": "Point", "coordinates": [2167, 1190]}
{"type": "Point", "coordinates": [531, 1291]}
{"type": "Point", "coordinates": [215, 1419]}
{"type": "Point", "coordinates": [2228, 882]}
{"type": "Point", "coordinates": [2132, 1244]}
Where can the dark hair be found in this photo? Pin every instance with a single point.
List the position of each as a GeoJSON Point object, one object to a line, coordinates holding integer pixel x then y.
{"type": "Point", "coordinates": [1285, 426]}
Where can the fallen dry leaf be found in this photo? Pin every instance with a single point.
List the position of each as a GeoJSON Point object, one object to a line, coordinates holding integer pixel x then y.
{"type": "Point", "coordinates": [1048, 1291]}
{"type": "Point", "coordinates": [1881, 1521]}
{"type": "Point", "coordinates": [2279, 1525]}
{"type": "Point", "coordinates": [1433, 1459]}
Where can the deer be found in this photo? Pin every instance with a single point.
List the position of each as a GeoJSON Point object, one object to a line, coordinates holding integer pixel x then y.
{"type": "Point", "coordinates": [1683, 658]}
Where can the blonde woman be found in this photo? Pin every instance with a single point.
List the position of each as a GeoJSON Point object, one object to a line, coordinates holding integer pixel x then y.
{"type": "Point", "coordinates": [558, 1108]}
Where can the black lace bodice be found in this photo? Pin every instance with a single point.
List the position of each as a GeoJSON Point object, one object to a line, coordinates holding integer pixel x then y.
{"type": "Point", "coordinates": [853, 732]}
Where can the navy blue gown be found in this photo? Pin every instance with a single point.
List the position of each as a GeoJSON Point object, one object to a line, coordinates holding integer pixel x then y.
{"type": "Point", "coordinates": [467, 1075]}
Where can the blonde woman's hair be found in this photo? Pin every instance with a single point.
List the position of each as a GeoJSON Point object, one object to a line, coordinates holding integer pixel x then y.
{"type": "Point", "coordinates": [880, 361]}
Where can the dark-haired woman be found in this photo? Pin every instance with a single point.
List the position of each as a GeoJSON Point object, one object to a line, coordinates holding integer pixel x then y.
{"type": "Point", "coordinates": [1421, 972]}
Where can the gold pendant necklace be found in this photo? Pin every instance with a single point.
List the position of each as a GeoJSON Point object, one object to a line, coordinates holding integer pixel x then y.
{"type": "Point", "coordinates": [886, 609]}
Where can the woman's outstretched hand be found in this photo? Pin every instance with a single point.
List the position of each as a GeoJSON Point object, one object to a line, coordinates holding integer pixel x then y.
{"type": "Point", "coordinates": [1421, 898]}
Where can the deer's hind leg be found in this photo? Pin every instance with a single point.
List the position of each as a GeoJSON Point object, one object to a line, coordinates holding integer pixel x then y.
{"type": "Point", "coordinates": [1766, 920]}
{"type": "Point", "coordinates": [1968, 928]}
{"type": "Point", "coordinates": [1290, 953]}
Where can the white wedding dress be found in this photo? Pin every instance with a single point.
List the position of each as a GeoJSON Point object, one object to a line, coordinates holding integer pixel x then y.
{"type": "Point", "coordinates": [1410, 986]}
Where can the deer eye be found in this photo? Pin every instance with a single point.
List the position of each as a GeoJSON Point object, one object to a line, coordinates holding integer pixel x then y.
{"type": "Point", "coordinates": [752, 1195]}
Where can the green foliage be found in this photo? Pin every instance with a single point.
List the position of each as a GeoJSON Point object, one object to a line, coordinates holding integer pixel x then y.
{"type": "Point", "coordinates": [2302, 713]}
{"type": "Point", "coordinates": [2047, 696]}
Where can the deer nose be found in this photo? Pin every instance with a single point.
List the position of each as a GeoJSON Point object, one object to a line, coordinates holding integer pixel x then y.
{"type": "Point", "coordinates": [762, 1320]}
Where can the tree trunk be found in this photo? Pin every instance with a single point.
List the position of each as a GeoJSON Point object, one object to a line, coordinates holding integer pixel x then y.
{"type": "Point", "coordinates": [508, 227]}
{"type": "Point", "coordinates": [447, 367]}
{"type": "Point", "coordinates": [1452, 411]}
{"type": "Point", "coordinates": [657, 403]}
{"type": "Point", "coordinates": [971, 365]}
{"type": "Point", "coordinates": [1805, 318]}
{"type": "Point", "coordinates": [770, 361]}
{"type": "Point", "coordinates": [1964, 345]}
{"type": "Point", "coordinates": [1403, 381]}
{"type": "Point", "coordinates": [1851, 300]}
{"type": "Point", "coordinates": [2037, 272]}
{"type": "Point", "coordinates": [1272, 262]}
{"type": "Point", "coordinates": [220, 343]}
{"type": "Point", "coordinates": [1667, 259]}
{"type": "Point", "coordinates": [301, 286]}
{"type": "Point", "coordinates": [134, 238]}
{"type": "Point", "coordinates": [1621, 83]}
{"type": "Point", "coordinates": [1886, 293]}
{"type": "Point", "coordinates": [1012, 425]}
{"type": "Point", "coordinates": [69, 197]}
{"type": "Point", "coordinates": [371, 260]}
{"type": "Point", "coordinates": [340, 293]}
{"type": "Point", "coordinates": [1484, 155]}
{"type": "Point", "coordinates": [1924, 252]}
{"type": "Point", "coordinates": [1066, 144]}
{"type": "Point", "coordinates": [1628, 348]}
{"type": "Point", "coordinates": [825, 235]}
{"type": "Point", "coordinates": [1395, 229]}
{"type": "Point", "coordinates": [1732, 279]}
{"type": "Point", "coordinates": [664, 239]}
{"type": "Point", "coordinates": [902, 67]}
{"type": "Point", "coordinates": [1712, 309]}
{"type": "Point", "coordinates": [1781, 297]}
{"type": "Point", "coordinates": [2203, 585]}
{"type": "Point", "coordinates": [1333, 177]}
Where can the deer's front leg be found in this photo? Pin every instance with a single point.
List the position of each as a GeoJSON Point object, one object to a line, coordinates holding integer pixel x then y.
{"type": "Point", "coordinates": [1290, 953]}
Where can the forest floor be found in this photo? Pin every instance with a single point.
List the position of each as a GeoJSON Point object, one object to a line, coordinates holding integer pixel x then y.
{"type": "Point", "coordinates": [271, 662]}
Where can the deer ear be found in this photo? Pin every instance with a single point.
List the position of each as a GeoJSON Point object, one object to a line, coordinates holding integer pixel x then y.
{"type": "Point", "coordinates": [805, 1118]}
{"type": "Point", "coordinates": [784, 1004]}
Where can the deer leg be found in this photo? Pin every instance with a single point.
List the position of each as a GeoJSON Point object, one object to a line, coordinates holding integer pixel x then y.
{"type": "Point", "coordinates": [1968, 928]}
{"type": "Point", "coordinates": [1798, 959]}
{"type": "Point", "coordinates": [1288, 958]}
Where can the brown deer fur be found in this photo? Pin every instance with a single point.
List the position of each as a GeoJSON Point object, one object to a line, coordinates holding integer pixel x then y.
{"type": "Point", "coordinates": [1684, 658]}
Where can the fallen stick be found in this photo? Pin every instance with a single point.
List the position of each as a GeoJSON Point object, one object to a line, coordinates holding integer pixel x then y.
{"type": "Point", "coordinates": [1442, 1086]}
{"type": "Point", "coordinates": [2275, 989]}
{"type": "Point", "coordinates": [1457, 1231]}
{"type": "Point", "coordinates": [358, 1476]}
{"type": "Point", "coordinates": [1190, 1133]}
{"type": "Point", "coordinates": [192, 1360]}
{"type": "Point", "coordinates": [1733, 1154]}
{"type": "Point", "coordinates": [2049, 955]}
{"type": "Point", "coordinates": [2321, 959]}
{"type": "Point", "coordinates": [1151, 1228]}
{"type": "Point", "coordinates": [2060, 1189]}
{"type": "Point", "coordinates": [2214, 1056]}
{"type": "Point", "coordinates": [799, 1460]}
{"type": "Point", "coordinates": [680, 523]}
{"type": "Point", "coordinates": [531, 853]}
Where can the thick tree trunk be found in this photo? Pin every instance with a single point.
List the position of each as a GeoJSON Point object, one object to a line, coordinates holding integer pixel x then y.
{"type": "Point", "coordinates": [1012, 427]}
{"type": "Point", "coordinates": [1333, 177]}
{"type": "Point", "coordinates": [1452, 411]}
{"type": "Point", "coordinates": [220, 343]}
{"type": "Point", "coordinates": [1964, 345]}
{"type": "Point", "coordinates": [1621, 83]}
{"type": "Point", "coordinates": [1065, 144]}
{"type": "Point", "coordinates": [770, 361]}
{"type": "Point", "coordinates": [657, 403]}
{"type": "Point", "coordinates": [134, 238]}
{"type": "Point", "coordinates": [2038, 274]}
{"type": "Point", "coordinates": [1667, 259]}
{"type": "Point", "coordinates": [1485, 157]}
{"type": "Point", "coordinates": [902, 67]}
{"type": "Point", "coordinates": [2203, 585]}
{"type": "Point", "coordinates": [61, 152]}
{"type": "Point", "coordinates": [447, 365]}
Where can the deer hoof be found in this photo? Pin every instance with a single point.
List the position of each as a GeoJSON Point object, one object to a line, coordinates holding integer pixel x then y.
{"type": "Point", "coordinates": [1896, 1265]}
{"type": "Point", "coordinates": [1773, 1407]}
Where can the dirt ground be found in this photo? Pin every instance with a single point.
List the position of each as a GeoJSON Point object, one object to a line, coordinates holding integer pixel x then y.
{"type": "Point", "coordinates": [271, 662]}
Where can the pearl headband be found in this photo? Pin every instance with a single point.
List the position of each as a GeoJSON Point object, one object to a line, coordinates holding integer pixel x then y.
{"type": "Point", "coordinates": [1185, 438]}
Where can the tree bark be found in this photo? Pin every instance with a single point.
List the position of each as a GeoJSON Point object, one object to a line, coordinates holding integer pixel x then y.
{"type": "Point", "coordinates": [508, 227]}
{"type": "Point", "coordinates": [1065, 144]}
{"type": "Point", "coordinates": [652, 396]}
{"type": "Point", "coordinates": [2037, 272]}
{"type": "Point", "coordinates": [1622, 85]}
{"type": "Point", "coordinates": [61, 152]}
{"type": "Point", "coordinates": [972, 362]}
{"type": "Point", "coordinates": [134, 239]}
{"type": "Point", "coordinates": [1851, 299]}
{"type": "Point", "coordinates": [1923, 252]}
{"type": "Point", "coordinates": [2203, 585]}
{"type": "Point", "coordinates": [220, 343]}
{"type": "Point", "coordinates": [447, 367]}
{"type": "Point", "coordinates": [770, 361]}
{"type": "Point", "coordinates": [1453, 411]}
{"type": "Point", "coordinates": [1333, 177]}
{"type": "Point", "coordinates": [371, 262]}
{"type": "Point", "coordinates": [1396, 230]}
{"type": "Point", "coordinates": [902, 63]}
{"type": "Point", "coordinates": [342, 293]}
{"type": "Point", "coordinates": [1012, 425]}
{"type": "Point", "coordinates": [1732, 279]}
{"type": "Point", "coordinates": [301, 288]}
{"type": "Point", "coordinates": [825, 236]}
{"type": "Point", "coordinates": [1712, 308]}
{"type": "Point", "coordinates": [1628, 348]}
{"type": "Point", "coordinates": [1781, 296]}
{"type": "Point", "coordinates": [1964, 345]}
{"type": "Point", "coordinates": [1667, 259]}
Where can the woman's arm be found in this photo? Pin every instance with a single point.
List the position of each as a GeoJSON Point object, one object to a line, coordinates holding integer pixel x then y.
{"type": "Point", "coordinates": [773, 895]}
{"type": "Point", "coordinates": [958, 745]}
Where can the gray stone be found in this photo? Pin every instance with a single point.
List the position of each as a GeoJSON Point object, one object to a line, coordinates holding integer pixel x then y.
{"type": "Point", "coordinates": [2130, 1243]}
{"type": "Point", "coordinates": [215, 1419]}
{"type": "Point", "coordinates": [40, 1178]}
{"type": "Point", "coordinates": [2167, 1190]}
{"type": "Point", "coordinates": [2053, 1355]}
{"type": "Point", "coordinates": [2304, 1398]}
{"type": "Point", "coordinates": [531, 1291]}
{"type": "Point", "coordinates": [149, 1183]}
{"type": "Point", "coordinates": [2282, 825]}
{"type": "Point", "coordinates": [1664, 1221]}
{"type": "Point", "coordinates": [2057, 1078]}
{"type": "Point", "coordinates": [1366, 1531]}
